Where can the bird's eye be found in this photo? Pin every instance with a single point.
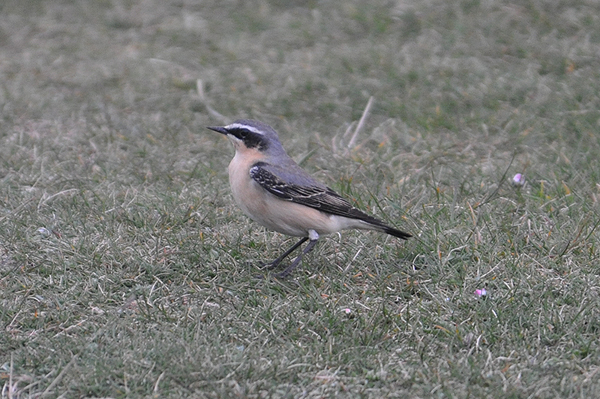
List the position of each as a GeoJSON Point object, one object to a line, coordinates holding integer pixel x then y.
{"type": "Point", "coordinates": [240, 133]}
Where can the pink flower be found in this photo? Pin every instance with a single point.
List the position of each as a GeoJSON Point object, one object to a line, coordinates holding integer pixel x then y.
{"type": "Point", "coordinates": [481, 292]}
{"type": "Point", "coordinates": [518, 180]}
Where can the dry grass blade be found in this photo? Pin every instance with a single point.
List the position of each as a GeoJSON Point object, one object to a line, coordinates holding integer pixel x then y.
{"type": "Point", "coordinates": [48, 391]}
{"type": "Point", "coordinates": [361, 123]}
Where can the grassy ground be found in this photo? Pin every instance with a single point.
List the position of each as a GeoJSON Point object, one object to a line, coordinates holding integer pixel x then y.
{"type": "Point", "coordinates": [127, 271]}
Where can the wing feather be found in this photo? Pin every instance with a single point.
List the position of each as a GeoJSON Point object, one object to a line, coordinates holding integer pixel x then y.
{"type": "Point", "coordinates": [315, 195]}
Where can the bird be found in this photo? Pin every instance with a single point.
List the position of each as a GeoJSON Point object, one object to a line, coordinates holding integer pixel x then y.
{"type": "Point", "coordinates": [278, 194]}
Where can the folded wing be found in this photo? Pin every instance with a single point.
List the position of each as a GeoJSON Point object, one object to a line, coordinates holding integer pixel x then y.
{"type": "Point", "coordinates": [313, 194]}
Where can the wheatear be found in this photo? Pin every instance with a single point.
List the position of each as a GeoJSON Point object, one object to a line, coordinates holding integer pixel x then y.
{"type": "Point", "coordinates": [275, 192]}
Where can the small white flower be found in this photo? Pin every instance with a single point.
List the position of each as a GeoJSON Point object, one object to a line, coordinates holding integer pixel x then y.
{"type": "Point", "coordinates": [44, 232]}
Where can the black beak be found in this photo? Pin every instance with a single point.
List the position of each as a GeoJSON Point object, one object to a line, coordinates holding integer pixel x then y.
{"type": "Point", "coordinates": [218, 129]}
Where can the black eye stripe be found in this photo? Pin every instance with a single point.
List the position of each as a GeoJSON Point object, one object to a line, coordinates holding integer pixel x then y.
{"type": "Point", "coordinates": [251, 139]}
{"type": "Point", "coordinates": [240, 132]}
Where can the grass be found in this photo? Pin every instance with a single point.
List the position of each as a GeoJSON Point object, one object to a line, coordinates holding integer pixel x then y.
{"type": "Point", "coordinates": [127, 271]}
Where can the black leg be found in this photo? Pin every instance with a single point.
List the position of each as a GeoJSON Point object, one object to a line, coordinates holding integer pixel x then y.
{"type": "Point", "coordinates": [296, 261]}
{"type": "Point", "coordinates": [277, 261]}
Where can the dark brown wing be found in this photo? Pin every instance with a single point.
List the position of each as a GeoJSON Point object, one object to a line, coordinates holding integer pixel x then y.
{"type": "Point", "coordinates": [313, 195]}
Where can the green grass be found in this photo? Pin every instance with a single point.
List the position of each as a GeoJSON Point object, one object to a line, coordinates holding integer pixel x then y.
{"type": "Point", "coordinates": [127, 271]}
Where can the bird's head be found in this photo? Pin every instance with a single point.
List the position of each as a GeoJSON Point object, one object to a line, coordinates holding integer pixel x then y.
{"type": "Point", "coordinates": [250, 134]}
